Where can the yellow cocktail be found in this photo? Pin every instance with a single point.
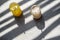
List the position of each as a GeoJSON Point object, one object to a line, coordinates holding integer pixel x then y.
{"type": "Point", "coordinates": [14, 7]}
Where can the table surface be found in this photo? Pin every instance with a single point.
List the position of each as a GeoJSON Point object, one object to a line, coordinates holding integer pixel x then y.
{"type": "Point", "coordinates": [27, 28]}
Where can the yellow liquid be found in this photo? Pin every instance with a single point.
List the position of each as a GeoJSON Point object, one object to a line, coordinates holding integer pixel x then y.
{"type": "Point", "coordinates": [14, 7]}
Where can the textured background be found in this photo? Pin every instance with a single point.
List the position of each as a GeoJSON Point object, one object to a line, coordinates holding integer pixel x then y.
{"type": "Point", "coordinates": [25, 27]}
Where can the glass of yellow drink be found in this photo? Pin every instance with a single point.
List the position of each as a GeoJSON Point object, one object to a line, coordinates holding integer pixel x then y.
{"type": "Point", "coordinates": [15, 9]}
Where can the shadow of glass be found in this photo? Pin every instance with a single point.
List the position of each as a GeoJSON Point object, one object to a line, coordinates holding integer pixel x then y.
{"type": "Point", "coordinates": [40, 23]}
{"type": "Point", "coordinates": [20, 22]}
{"type": "Point", "coordinates": [45, 32]}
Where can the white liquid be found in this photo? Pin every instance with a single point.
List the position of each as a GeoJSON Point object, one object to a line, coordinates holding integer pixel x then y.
{"type": "Point", "coordinates": [36, 12]}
